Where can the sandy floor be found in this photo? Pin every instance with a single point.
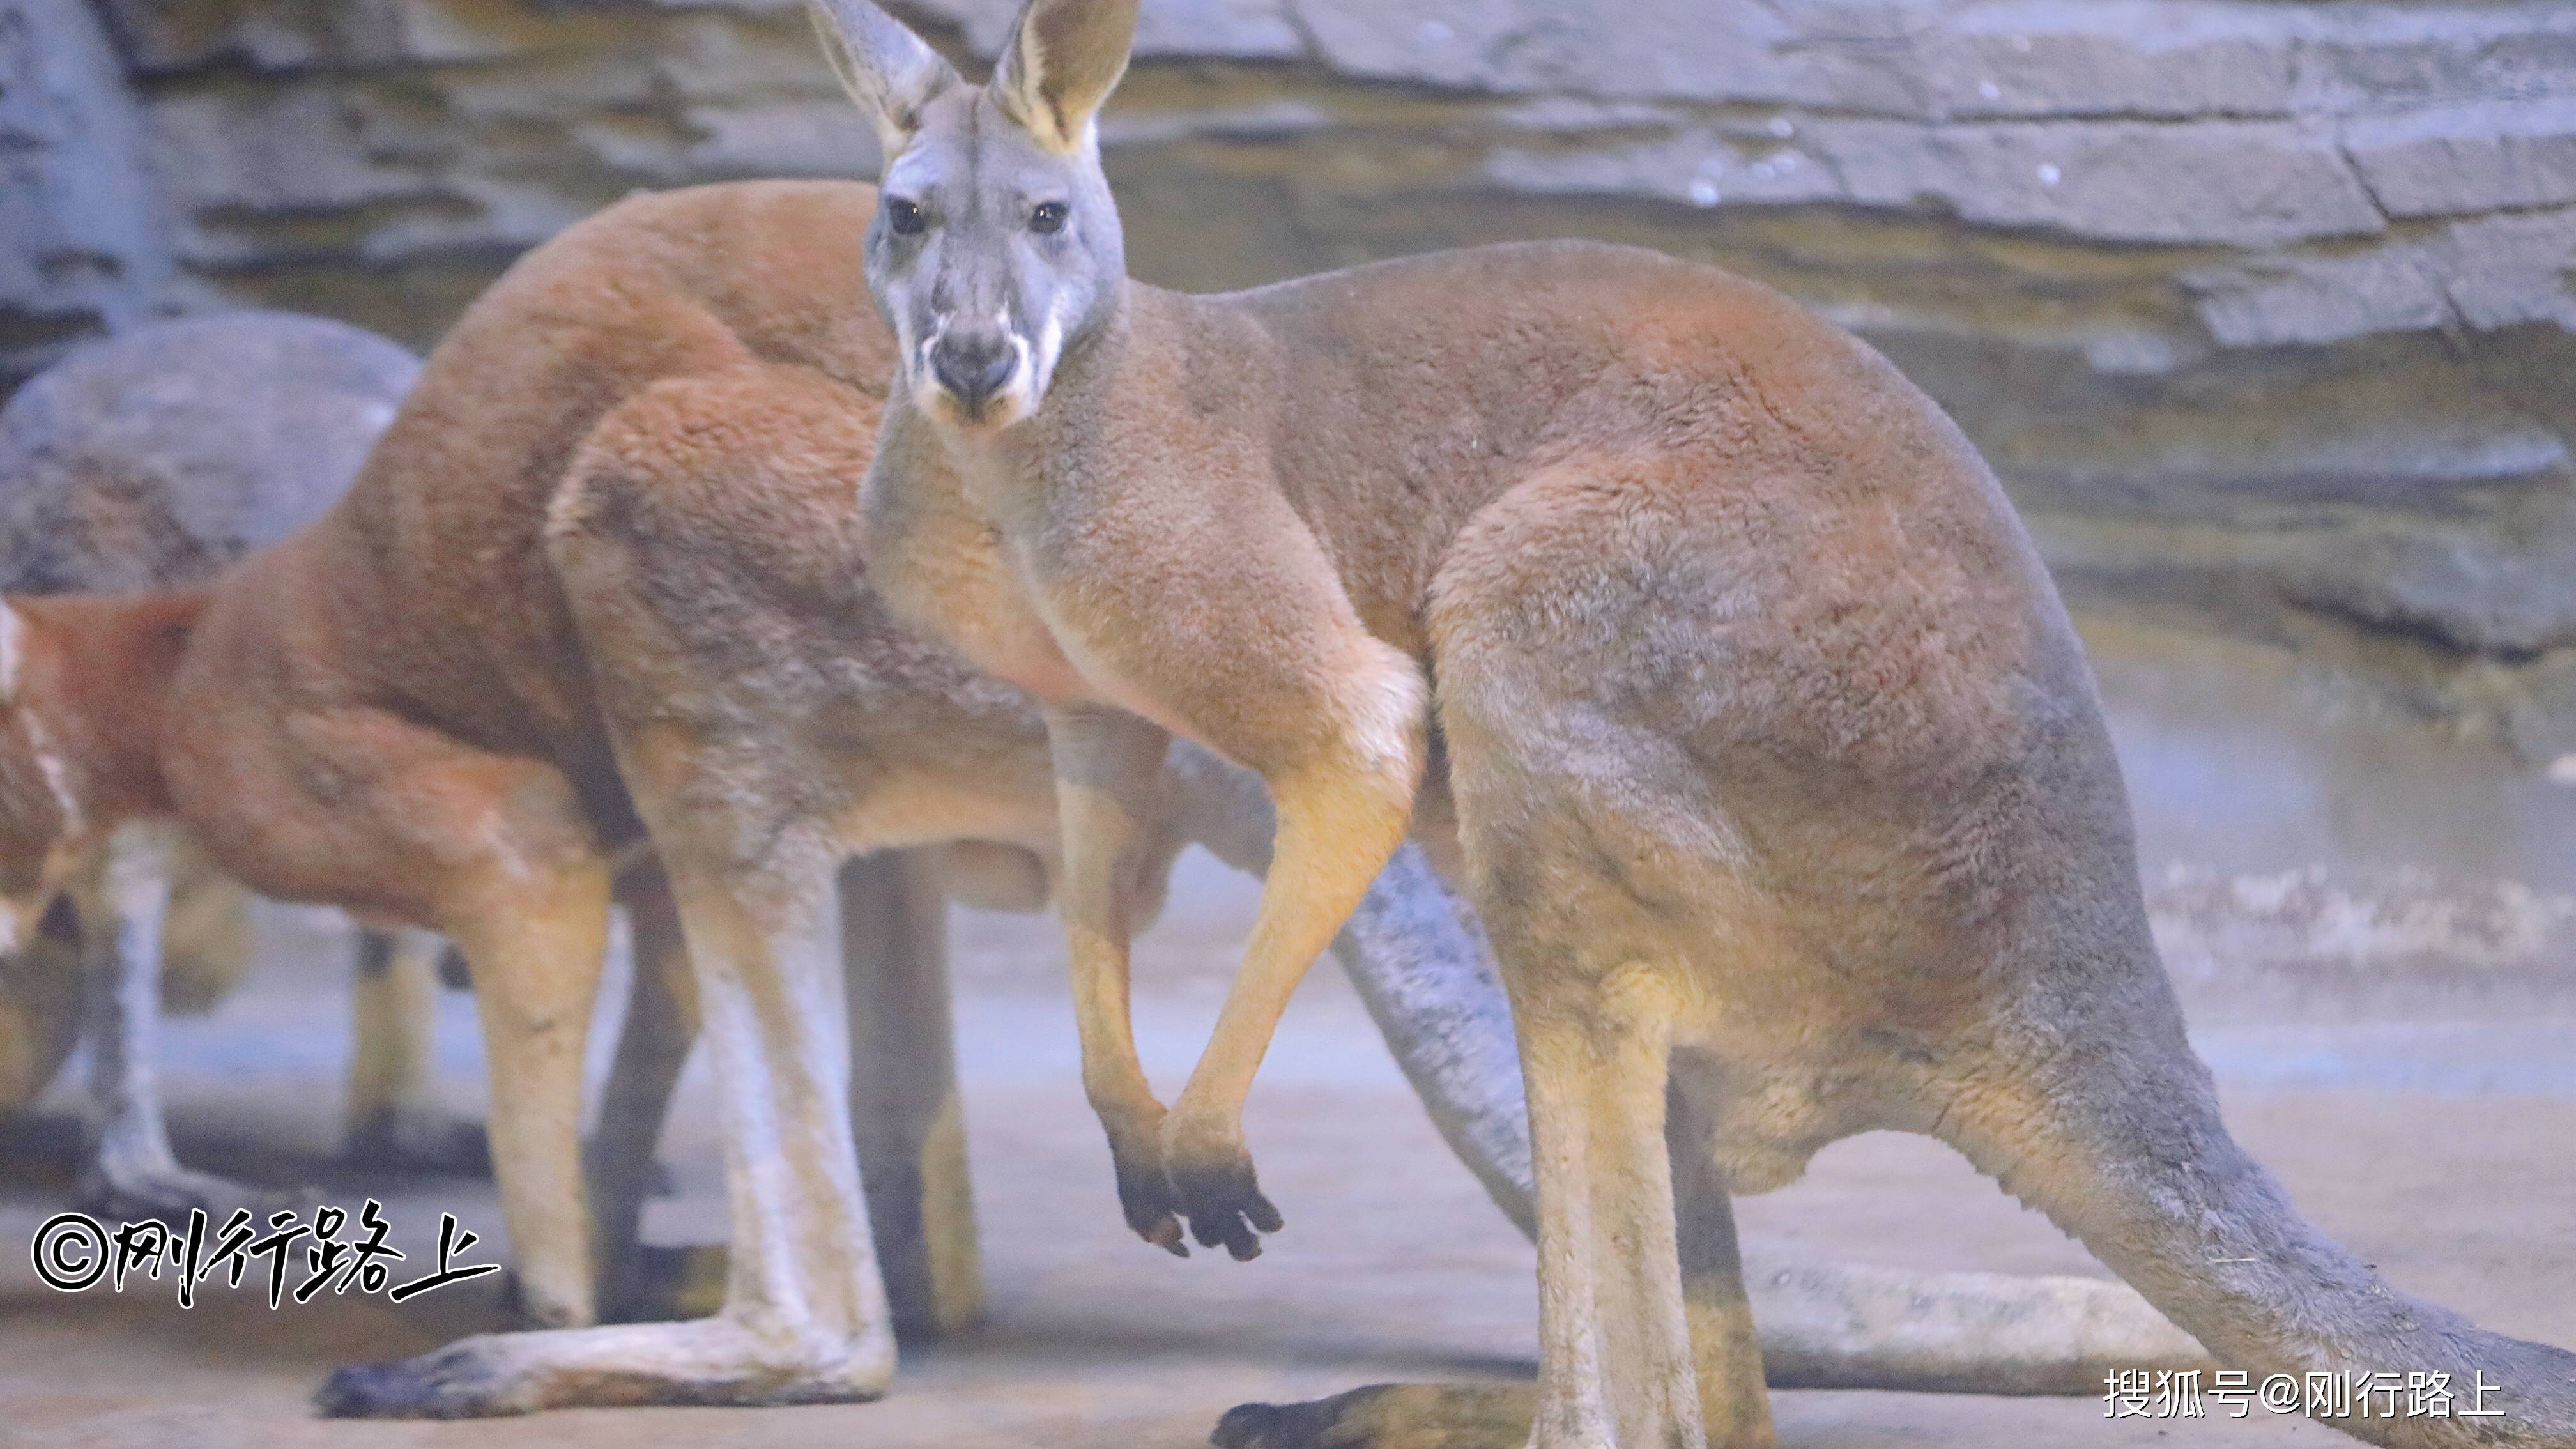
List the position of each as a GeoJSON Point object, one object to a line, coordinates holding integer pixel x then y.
{"type": "Point", "coordinates": [1393, 1265]}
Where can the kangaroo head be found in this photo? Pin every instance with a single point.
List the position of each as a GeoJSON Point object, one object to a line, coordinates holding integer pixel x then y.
{"type": "Point", "coordinates": [39, 819]}
{"type": "Point", "coordinates": [995, 245]}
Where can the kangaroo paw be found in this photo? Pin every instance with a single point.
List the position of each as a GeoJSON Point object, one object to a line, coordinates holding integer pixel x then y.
{"type": "Point", "coordinates": [713, 1361]}
{"type": "Point", "coordinates": [1144, 1193]}
{"type": "Point", "coordinates": [1387, 1416]}
{"type": "Point", "coordinates": [1211, 1174]}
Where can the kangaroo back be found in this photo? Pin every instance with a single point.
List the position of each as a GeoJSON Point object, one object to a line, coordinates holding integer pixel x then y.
{"type": "Point", "coordinates": [156, 458]}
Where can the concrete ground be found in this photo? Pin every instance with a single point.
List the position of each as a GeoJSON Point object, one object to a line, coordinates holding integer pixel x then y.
{"type": "Point", "coordinates": [2425, 1124]}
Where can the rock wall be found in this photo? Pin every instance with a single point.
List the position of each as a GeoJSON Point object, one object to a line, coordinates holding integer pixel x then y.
{"type": "Point", "coordinates": [82, 245]}
{"type": "Point", "coordinates": [2262, 308]}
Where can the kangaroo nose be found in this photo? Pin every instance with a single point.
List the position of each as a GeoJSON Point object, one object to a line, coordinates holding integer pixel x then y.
{"type": "Point", "coordinates": [974, 365]}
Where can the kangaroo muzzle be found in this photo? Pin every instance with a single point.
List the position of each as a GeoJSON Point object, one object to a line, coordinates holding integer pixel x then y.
{"type": "Point", "coordinates": [974, 367]}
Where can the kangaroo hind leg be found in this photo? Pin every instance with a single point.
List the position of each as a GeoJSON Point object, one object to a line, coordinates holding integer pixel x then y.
{"type": "Point", "coordinates": [2121, 1144]}
{"type": "Point", "coordinates": [739, 818]}
{"type": "Point", "coordinates": [1733, 1405]}
{"type": "Point", "coordinates": [395, 1117]}
{"type": "Point", "coordinates": [132, 1172]}
{"type": "Point", "coordinates": [618, 1160]}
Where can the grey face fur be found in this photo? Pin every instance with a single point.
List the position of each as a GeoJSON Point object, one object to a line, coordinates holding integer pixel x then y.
{"type": "Point", "coordinates": [995, 246]}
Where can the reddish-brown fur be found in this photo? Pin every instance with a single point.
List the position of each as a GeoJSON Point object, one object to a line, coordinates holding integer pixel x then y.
{"type": "Point", "coordinates": [105, 666]}
{"type": "Point", "coordinates": [91, 691]}
{"type": "Point", "coordinates": [421, 616]}
{"type": "Point", "coordinates": [397, 711]}
{"type": "Point", "coordinates": [149, 462]}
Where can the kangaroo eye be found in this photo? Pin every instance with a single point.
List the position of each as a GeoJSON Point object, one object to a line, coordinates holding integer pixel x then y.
{"type": "Point", "coordinates": [1048, 217]}
{"type": "Point", "coordinates": [904, 217]}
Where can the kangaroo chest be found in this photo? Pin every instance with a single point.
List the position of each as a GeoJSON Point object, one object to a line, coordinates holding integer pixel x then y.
{"type": "Point", "coordinates": [989, 602]}
{"type": "Point", "coordinates": [940, 557]}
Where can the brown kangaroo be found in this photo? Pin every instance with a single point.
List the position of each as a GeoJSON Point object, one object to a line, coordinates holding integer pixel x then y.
{"type": "Point", "coordinates": [1779, 780]}
{"type": "Point", "coordinates": [151, 460]}
{"type": "Point", "coordinates": [616, 519]}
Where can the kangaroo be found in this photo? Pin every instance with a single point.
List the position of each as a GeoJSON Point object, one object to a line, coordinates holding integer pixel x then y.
{"type": "Point", "coordinates": [1769, 758]}
{"type": "Point", "coordinates": [1422, 970]}
{"type": "Point", "coordinates": [151, 461]}
{"type": "Point", "coordinates": [593, 621]}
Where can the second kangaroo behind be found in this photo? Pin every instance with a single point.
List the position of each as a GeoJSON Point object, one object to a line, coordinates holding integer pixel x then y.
{"type": "Point", "coordinates": [1779, 778]}
{"type": "Point", "coordinates": [152, 460]}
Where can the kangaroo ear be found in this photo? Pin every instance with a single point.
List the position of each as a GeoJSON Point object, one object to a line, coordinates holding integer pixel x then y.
{"type": "Point", "coordinates": [1064, 59]}
{"type": "Point", "coordinates": [13, 640]}
{"type": "Point", "coordinates": [891, 72]}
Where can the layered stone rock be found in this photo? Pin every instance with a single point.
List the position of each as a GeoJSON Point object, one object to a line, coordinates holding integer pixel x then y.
{"type": "Point", "coordinates": [82, 246]}
{"type": "Point", "coordinates": [2262, 309]}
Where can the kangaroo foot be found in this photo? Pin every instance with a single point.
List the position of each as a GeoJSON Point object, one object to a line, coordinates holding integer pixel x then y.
{"type": "Point", "coordinates": [422, 1140]}
{"type": "Point", "coordinates": [1211, 1174]}
{"type": "Point", "coordinates": [2533, 1403]}
{"type": "Point", "coordinates": [1388, 1416]}
{"type": "Point", "coordinates": [116, 1192]}
{"type": "Point", "coordinates": [712, 1361]}
{"type": "Point", "coordinates": [1144, 1192]}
